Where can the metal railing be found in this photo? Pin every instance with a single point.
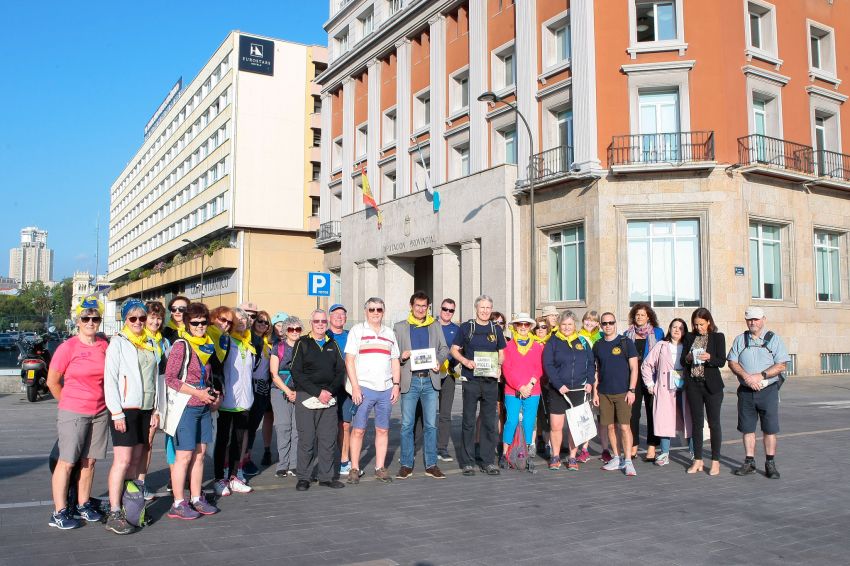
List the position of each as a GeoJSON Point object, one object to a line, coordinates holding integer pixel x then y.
{"type": "Point", "coordinates": [673, 148]}
{"type": "Point", "coordinates": [758, 149]}
{"type": "Point", "coordinates": [328, 231]}
{"type": "Point", "coordinates": [553, 162]}
{"type": "Point", "coordinates": [833, 165]}
{"type": "Point", "coordinates": [835, 363]}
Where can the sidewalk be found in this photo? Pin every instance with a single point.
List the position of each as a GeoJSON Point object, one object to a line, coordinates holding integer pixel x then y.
{"type": "Point", "coordinates": [662, 516]}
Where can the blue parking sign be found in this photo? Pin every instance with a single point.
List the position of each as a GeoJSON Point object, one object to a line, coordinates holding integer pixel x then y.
{"type": "Point", "coordinates": [318, 284]}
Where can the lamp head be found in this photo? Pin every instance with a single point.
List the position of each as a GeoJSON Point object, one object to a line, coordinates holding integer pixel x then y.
{"type": "Point", "coordinates": [489, 96]}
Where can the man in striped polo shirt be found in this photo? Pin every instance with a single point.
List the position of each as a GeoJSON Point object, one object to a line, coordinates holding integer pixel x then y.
{"type": "Point", "coordinates": [372, 362]}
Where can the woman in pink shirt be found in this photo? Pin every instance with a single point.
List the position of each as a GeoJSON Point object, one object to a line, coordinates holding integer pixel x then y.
{"type": "Point", "coordinates": [75, 379]}
{"type": "Point", "coordinates": [522, 369]}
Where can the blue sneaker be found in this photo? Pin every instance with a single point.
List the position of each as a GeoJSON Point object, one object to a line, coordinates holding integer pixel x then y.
{"type": "Point", "coordinates": [88, 513]}
{"type": "Point", "coordinates": [344, 468]}
{"type": "Point", "coordinates": [63, 520]}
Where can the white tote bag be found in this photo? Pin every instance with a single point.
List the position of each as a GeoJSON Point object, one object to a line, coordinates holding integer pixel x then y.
{"type": "Point", "coordinates": [172, 402]}
{"type": "Point", "coordinates": [582, 424]}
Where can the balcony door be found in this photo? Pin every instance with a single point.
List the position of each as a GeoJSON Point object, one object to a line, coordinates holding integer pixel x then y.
{"type": "Point", "coordinates": [659, 128]}
{"type": "Point", "coordinates": [564, 121]}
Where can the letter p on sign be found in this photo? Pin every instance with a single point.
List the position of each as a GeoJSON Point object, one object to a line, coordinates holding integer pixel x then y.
{"type": "Point", "coordinates": [318, 284]}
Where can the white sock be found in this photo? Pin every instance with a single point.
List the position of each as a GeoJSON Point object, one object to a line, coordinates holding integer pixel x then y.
{"type": "Point", "coordinates": [196, 499]}
{"type": "Point", "coordinates": [177, 502]}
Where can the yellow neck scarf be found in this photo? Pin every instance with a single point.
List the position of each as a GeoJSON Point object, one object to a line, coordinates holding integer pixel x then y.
{"type": "Point", "coordinates": [568, 339]}
{"type": "Point", "coordinates": [173, 325]}
{"type": "Point", "coordinates": [243, 340]}
{"type": "Point", "coordinates": [140, 341]}
{"type": "Point", "coordinates": [202, 345]}
{"type": "Point", "coordinates": [419, 324]}
{"type": "Point", "coordinates": [156, 340]}
{"type": "Point", "coordinates": [529, 339]}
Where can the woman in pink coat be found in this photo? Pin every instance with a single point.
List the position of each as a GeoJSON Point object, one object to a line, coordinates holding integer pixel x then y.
{"type": "Point", "coordinates": [662, 375]}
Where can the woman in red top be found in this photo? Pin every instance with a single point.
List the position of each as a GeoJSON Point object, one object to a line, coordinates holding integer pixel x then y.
{"type": "Point", "coordinates": [522, 369]}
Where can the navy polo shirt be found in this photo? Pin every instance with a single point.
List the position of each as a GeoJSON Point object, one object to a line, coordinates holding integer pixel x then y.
{"type": "Point", "coordinates": [612, 362]}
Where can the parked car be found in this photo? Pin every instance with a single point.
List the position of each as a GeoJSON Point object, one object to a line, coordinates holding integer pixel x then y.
{"type": "Point", "coordinates": [7, 341]}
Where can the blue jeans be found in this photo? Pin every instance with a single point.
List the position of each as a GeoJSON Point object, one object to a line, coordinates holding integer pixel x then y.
{"type": "Point", "coordinates": [513, 406]}
{"type": "Point", "coordinates": [421, 390]}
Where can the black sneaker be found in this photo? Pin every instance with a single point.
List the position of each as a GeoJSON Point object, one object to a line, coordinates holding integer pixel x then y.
{"type": "Point", "coordinates": [770, 470]}
{"type": "Point", "coordinates": [117, 523]}
{"type": "Point", "coordinates": [302, 485]}
{"type": "Point", "coordinates": [747, 468]}
{"type": "Point", "coordinates": [333, 484]}
{"type": "Point", "coordinates": [280, 474]}
{"type": "Point", "coordinates": [250, 469]}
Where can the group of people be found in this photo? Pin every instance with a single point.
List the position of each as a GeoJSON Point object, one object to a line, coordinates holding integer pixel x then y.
{"type": "Point", "coordinates": [317, 387]}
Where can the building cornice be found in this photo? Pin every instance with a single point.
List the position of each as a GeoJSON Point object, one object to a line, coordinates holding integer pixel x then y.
{"type": "Point", "coordinates": [776, 78]}
{"type": "Point", "coordinates": [826, 93]}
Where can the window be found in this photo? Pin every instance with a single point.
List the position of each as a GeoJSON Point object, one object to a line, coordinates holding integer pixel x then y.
{"type": "Point", "coordinates": [336, 155]}
{"type": "Point", "coordinates": [342, 42]}
{"type": "Point", "coordinates": [504, 68]}
{"type": "Point", "coordinates": [366, 22]}
{"type": "Point", "coordinates": [656, 21]}
{"type": "Point", "coordinates": [507, 137]}
{"type": "Point", "coordinates": [659, 126]}
{"type": "Point", "coordinates": [826, 135]}
{"type": "Point", "coordinates": [388, 187]}
{"type": "Point", "coordinates": [459, 93]}
{"type": "Point", "coordinates": [821, 51]}
{"type": "Point", "coordinates": [422, 111]}
{"type": "Point", "coordinates": [389, 126]}
{"type": "Point", "coordinates": [827, 270]}
{"type": "Point", "coordinates": [459, 166]}
{"type": "Point", "coordinates": [314, 207]}
{"type": "Point", "coordinates": [761, 31]}
{"type": "Point", "coordinates": [566, 264]}
{"type": "Point", "coordinates": [421, 169]}
{"type": "Point", "coordinates": [394, 6]}
{"type": "Point", "coordinates": [317, 171]}
{"type": "Point", "coordinates": [556, 41]}
{"type": "Point", "coordinates": [664, 262]}
{"type": "Point", "coordinates": [317, 137]}
{"type": "Point", "coordinates": [765, 261]}
{"type": "Point", "coordinates": [463, 153]}
{"type": "Point", "coordinates": [362, 140]}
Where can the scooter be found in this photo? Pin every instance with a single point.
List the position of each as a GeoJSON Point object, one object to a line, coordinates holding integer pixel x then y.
{"type": "Point", "coordinates": [34, 359]}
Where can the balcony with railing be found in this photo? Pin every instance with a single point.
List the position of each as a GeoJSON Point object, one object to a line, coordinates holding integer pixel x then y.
{"type": "Point", "coordinates": [758, 153]}
{"type": "Point", "coordinates": [550, 165]}
{"type": "Point", "coordinates": [328, 232]}
{"type": "Point", "coordinates": [661, 151]}
{"type": "Point", "coordinates": [832, 168]}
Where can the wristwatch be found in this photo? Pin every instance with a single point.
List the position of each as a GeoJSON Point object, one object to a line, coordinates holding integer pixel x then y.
{"type": "Point", "coordinates": [764, 374]}
{"type": "Point", "coordinates": [631, 390]}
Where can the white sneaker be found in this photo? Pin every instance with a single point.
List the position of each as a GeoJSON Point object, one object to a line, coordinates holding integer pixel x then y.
{"type": "Point", "coordinates": [240, 475]}
{"type": "Point", "coordinates": [613, 465]}
{"type": "Point", "coordinates": [623, 462]}
{"type": "Point", "coordinates": [629, 468]}
{"type": "Point", "coordinates": [239, 486]}
{"type": "Point", "coordinates": [662, 459]}
{"type": "Point", "coordinates": [221, 488]}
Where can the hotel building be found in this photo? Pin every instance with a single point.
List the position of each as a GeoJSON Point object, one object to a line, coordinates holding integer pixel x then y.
{"type": "Point", "coordinates": [229, 166]}
{"type": "Point", "coordinates": [32, 261]}
{"type": "Point", "coordinates": [682, 154]}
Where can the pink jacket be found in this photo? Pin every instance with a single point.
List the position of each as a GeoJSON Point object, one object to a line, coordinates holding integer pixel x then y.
{"type": "Point", "coordinates": [655, 370]}
{"type": "Point", "coordinates": [518, 369]}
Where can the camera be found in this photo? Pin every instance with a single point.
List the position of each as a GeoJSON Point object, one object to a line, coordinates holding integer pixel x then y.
{"type": "Point", "coordinates": [212, 393]}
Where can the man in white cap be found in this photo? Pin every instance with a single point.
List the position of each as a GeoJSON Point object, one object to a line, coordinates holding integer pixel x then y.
{"type": "Point", "coordinates": [758, 358]}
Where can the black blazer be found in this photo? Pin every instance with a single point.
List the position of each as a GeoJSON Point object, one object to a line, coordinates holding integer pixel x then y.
{"type": "Point", "coordinates": [716, 348]}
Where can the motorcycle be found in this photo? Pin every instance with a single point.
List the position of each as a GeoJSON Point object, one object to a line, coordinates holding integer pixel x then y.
{"type": "Point", "coordinates": [34, 359]}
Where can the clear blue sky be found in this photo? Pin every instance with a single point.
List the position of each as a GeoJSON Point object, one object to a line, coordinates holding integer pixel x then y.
{"type": "Point", "coordinates": [81, 79]}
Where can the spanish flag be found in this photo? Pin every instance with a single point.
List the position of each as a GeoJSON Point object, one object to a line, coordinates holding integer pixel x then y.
{"type": "Point", "coordinates": [368, 199]}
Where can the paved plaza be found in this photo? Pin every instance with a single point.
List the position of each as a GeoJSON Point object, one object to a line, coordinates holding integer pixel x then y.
{"type": "Point", "coordinates": [662, 516]}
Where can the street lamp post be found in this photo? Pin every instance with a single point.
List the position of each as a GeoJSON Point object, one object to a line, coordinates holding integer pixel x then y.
{"type": "Point", "coordinates": [203, 253]}
{"type": "Point", "coordinates": [493, 98]}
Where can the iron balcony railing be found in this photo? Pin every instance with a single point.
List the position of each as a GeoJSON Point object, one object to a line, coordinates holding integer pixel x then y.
{"type": "Point", "coordinates": [328, 231]}
{"type": "Point", "coordinates": [661, 148]}
{"type": "Point", "coordinates": [833, 165]}
{"type": "Point", "coordinates": [551, 163]}
{"type": "Point", "coordinates": [758, 149]}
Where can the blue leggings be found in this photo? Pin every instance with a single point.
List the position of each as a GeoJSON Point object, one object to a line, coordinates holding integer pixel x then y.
{"type": "Point", "coordinates": [513, 406]}
{"type": "Point", "coordinates": [680, 409]}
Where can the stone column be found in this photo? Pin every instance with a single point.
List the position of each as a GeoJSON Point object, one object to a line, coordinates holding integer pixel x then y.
{"type": "Point", "coordinates": [479, 67]}
{"type": "Point", "coordinates": [584, 86]}
{"type": "Point", "coordinates": [446, 275]}
{"type": "Point", "coordinates": [325, 208]}
{"type": "Point", "coordinates": [349, 201]}
{"type": "Point", "coordinates": [470, 277]}
{"type": "Point", "coordinates": [438, 98]}
{"type": "Point", "coordinates": [395, 283]}
{"type": "Point", "coordinates": [526, 82]}
{"type": "Point", "coordinates": [374, 131]}
{"type": "Point", "coordinates": [402, 164]}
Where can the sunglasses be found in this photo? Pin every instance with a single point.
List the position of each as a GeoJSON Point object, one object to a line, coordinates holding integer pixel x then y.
{"type": "Point", "coordinates": [376, 309]}
{"type": "Point", "coordinates": [542, 327]}
{"type": "Point", "coordinates": [608, 323]}
{"type": "Point", "coordinates": [523, 324]}
{"type": "Point", "coordinates": [294, 329]}
{"type": "Point", "coordinates": [263, 322]}
{"type": "Point", "coordinates": [134, 319]}
{"type": "Point", "coordinates": [94, 319]}
{"type": "Point", "coordinates": [198, 322]}
{"type": "Point", "coordinates": [444, 309]}
{"type": "Point", "coordinates": [225, 320]}
{"type": "Point", "coordinates": [178, 309]}
{"type": "Point", "coordinates": [320, 321]}
{"type": "Point", "coordinates": [251, 314]}
{"type": "Point", "coordinates": [499, 322]}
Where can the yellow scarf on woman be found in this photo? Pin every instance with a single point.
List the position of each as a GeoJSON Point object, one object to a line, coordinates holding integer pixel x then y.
{"type": "Point", "coordinates": [523, 350]}
{"type": "Point", "coordinates": [202, 345]}
{"type": "Point", "coordinates": [420, 323]}
{"type": "Point", "coordinates": [243, 340]}
{"type": "Point", "coordinates": [173, 325]}
{"type": "Point", "coordinates": [156, 340]}
{"type": "Point", "coordinates": [215, 333]}
{"type": "Point", "coordinates": [568, 339]}
{"type": "Point", "coordinates": [140, 341]}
